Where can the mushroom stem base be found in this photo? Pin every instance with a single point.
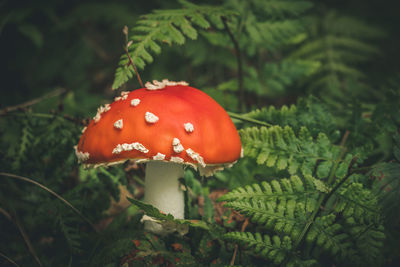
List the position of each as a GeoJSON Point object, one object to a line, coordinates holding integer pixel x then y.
{"type": "Point", "coordinates": [162, 189]}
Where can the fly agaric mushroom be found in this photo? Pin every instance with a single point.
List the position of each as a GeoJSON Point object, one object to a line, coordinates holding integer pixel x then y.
{"type": "Point", "coordinates": [168, 125]}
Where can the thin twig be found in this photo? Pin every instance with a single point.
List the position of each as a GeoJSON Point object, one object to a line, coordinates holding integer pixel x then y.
{"type": "Point", "coordinates": [344, 138]}
{"type": "Point", "coordinates": [125, 31]}
{"type": "Point", "coordinates": [244, 225]}
{"type": "Point", "coordinates": [51, 192]}
{"type": "Point", "coordinates": [239, 63]}
{"type": "Point", "coordinates": [32, 102]}
{"type": "Point", "coordinates": [28, 243]}
{"type": "Point", "coordinates": [5, 213]}
{"type": "Point", "coordinates": [133, 65]}
{"type": "Point", "coordinates": [9, 260]}
{"type": "Point", "coordinates": [244, 118]}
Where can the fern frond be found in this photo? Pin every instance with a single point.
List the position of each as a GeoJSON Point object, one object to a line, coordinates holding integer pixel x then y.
{"type": "Point", "coordinates": [292, 188]}
{"type": "Point", "coordinates": [274, 34]}
{"type": "Point", "coordinates": [369, 241]}
{"type": "Point", "coordinates": [352, 26]}
{"type": "Point", "coordinates": [340, 68]}
{"type": "Point", "coordinates": [114, 245]}
{"type": "Point", "coordinates": [336, 231]}
{"type": "Point", "coordinates": [167, 219]}
{"type": "Point", "coordinates": [387, 185]}
{"type": "Point", "coordinates": [273, 78]}
{"type": "Point", "coordinates": [274, 249]}
{"type": "Point", "coordinates": [150, 210]}
{"type": "Point", "coordinates": [276, 8]}
{"type": "Point", "coordinates": [25, 142]}
{"type": "Point", "coordinates": [281, 205]}
{"type": "Point", "coordinates": [338, 49]}
{"type": "Point", "coordinates": [69, 226]}
{"type": "Point", "coordinates": [308, 112]}
{"type": "Point", "coordinates": [357, 204]}
{"type": "Point", "coordinates": [329, 235]}
{"type": "Point", "coordinates": [281, 148]}
{"type": "Point", "coordinates": [171, 26]}
{"type": "Point", "coordinates": [285, 216]}
{"type": "Point", "coordinates": [343, 44]}
{"type": "Point", "coordinates": [268, 24]}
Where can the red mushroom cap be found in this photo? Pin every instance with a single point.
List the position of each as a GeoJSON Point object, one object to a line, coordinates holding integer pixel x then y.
{"type": "Point", "coordinates": [167, 121]}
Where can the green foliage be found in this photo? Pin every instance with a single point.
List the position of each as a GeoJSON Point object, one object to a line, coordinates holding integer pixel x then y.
{"type": "Point", "coordinates": [295, 213]}
{"type": "Point", "coordinates": [280, 147]}
{"type": "Point", "coordinates": [68, 226]}
{"type": "Point", "coordinates": [329, 236]}
{"type": "Point", "coordinates": [276, 205]}
{"type": "Point", "coordinates": [387, 183]}
{"type": "Point", "coordinates": [165, 26]}
{"type": "Point", "coordinates": [357, 202]}
{"type": "Point", "coordinates": [151, 211]}
{"type": "Point", "coordinates": [48, 157]}
{"type": "Point", "coordinates": [273, 78]}
{"type": "Point", "coordinates": [338, 43]}
{"type": "Point", "coordinates": [309, 113]}
{"type": "Point", "coordinates": [316, 214]}
{"type": "Point", "coordinates": [261, 30]}
{"type": "Point", "coordinates": [26, 139]}
{"type": "Point", "coordinates": [114, 243]}
{"type": "Point", "coordinates": [167, 220]}
{"type": "Point", "coordinates": [273, 248]}
{"type": "Point", "coordinates": [269, 24]}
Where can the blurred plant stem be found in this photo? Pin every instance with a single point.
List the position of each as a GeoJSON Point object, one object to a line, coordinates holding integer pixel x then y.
{"type": "Point", "coordinates": [239, 65]}
{"type": "Point", "coordinates": [244, 118]}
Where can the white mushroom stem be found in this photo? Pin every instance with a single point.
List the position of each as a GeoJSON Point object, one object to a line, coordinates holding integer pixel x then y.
{"type": "Point", "coordinates": [162, 190]}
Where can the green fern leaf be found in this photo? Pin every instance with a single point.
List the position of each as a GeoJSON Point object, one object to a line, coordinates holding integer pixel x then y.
{"type": "Point", "coordinates": [354, 201]}
{"type": "Point", "coordinates": [164, 26]}
{"type": "Point", "coordinates": [280, 8]}
{"type": "Point", "coordinates": [308, 112]}
{"type": "Point", "coordinates": [150, 210]}
{"type": "Point", "coordinates": [293, 187]}
{"type": "Point", "coordinates": [329, 235]}
{"type": "Point", "coordinates": [274, 249]}
{"type": "Point", "coordinates": [387, 187]}
{"type": "Point", "coordinates": [270, 24]}
{"type": "Point", "coordinates": [25, 142]}
{"type": "Point", "coordinates": [279, 147]}
{"type": "Point", "coordinates": [338, 49]}
{"type": "Point", "coordinates": [278, 204]}
{"type": "Point", "coordinates": [167, 220]}
{"type": "Point", "coordinates": [69, 226]}
{"type": "Point", "coordinates": [369, 241]}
